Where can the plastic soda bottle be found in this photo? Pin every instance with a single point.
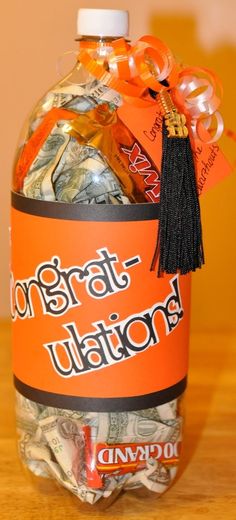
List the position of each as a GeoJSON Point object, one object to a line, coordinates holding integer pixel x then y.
{"type": "Point", "coordinates": [100, 342]}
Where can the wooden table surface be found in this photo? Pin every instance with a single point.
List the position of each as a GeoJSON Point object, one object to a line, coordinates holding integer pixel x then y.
{"type": "Point", "coordinates": [206, 485]}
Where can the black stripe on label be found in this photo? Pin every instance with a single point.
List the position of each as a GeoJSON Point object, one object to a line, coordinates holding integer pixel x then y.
{"type": "Point", "coordinates": [94, 404]}
{"type": "Point", "coordinates": [87, 212]}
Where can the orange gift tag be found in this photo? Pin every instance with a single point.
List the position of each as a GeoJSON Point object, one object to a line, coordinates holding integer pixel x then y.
{"type": "Point", "coordinates": [146, 125]}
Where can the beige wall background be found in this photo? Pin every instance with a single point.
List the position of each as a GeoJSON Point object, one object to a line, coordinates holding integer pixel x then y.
{"type": "Point", "coordinates": [34, 34]}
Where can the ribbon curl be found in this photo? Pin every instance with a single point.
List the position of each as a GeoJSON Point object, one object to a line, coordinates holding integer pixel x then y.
{"type": "Point", "coordinates": [149, 64]}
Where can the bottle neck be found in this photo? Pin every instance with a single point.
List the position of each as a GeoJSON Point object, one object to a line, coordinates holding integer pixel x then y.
{"type": "Point", "coordinates": [98, 39]}
{"type": "Point", "coordinates": [97, 43]}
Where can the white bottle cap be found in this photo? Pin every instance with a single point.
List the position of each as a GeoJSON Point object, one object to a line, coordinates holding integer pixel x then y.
{"type": "Point", "coordinates": [103, 22]}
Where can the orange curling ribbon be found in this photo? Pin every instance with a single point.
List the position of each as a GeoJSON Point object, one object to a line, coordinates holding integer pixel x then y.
{"type": "Point", "coordinates": [131, 70]}
{"type": "Point", "coordinates": [158, 64]}
{"type": "Point", "coordinates": [108, 79]}
{"type": "Point", "coordinates": [197, 92]}
{"type": "Point", "coordinates": [149, 64]}
{"type": "Point", "coordinates": [36, 141]}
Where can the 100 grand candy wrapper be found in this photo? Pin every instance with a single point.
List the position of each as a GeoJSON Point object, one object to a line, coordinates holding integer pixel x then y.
{"type": "Point", "coordinates": [105, 232]}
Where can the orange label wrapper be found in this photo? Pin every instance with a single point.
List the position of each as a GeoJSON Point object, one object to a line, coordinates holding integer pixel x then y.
{"type": "Point", "coordinates": [93, 327]}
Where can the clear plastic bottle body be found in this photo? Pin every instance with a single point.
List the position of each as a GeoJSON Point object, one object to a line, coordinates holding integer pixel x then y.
{"type": "Point", "coordinates": [71, 164]}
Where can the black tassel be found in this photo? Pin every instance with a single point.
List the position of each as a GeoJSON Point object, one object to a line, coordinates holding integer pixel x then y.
{"type": "Point", "coordinates": [179, 243]}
